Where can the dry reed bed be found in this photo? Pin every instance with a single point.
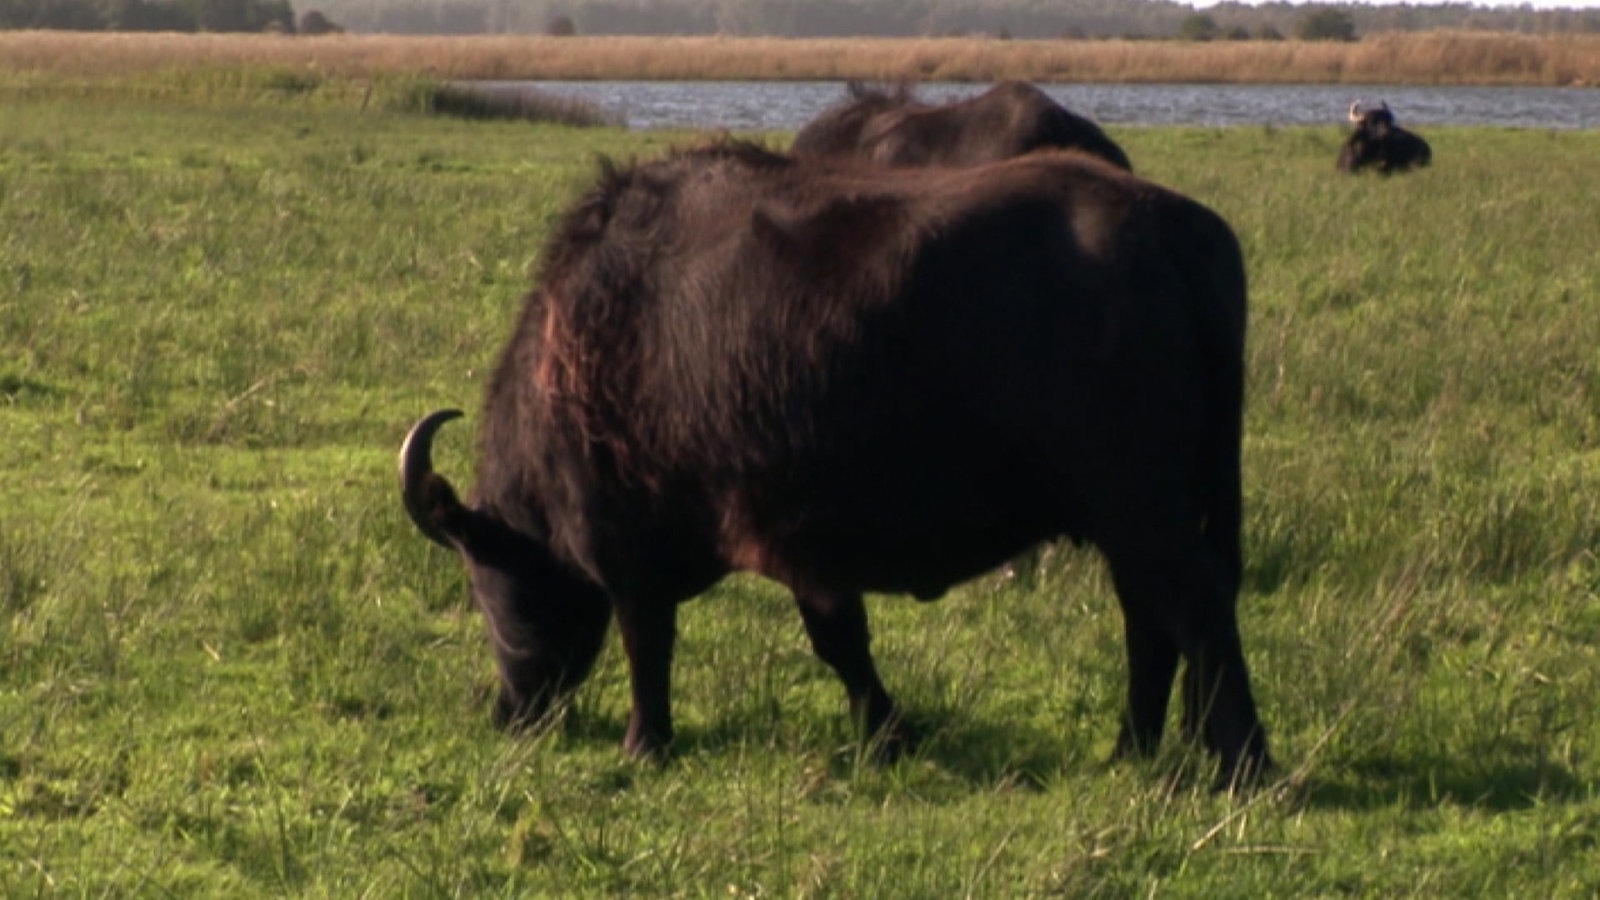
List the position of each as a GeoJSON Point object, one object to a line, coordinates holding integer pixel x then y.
{"type": "Point", "coordinates": [1390, 58]}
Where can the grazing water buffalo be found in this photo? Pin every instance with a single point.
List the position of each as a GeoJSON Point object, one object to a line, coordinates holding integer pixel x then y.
{"type": "Point", "coordinates": [849, 379]}
{"type": "Point", "coordinates": [893, 128]}
{"type": "Point", "coordinates": [1378, 143]}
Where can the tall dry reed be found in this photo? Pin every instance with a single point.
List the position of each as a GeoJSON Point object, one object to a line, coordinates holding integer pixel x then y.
{"type": "Point", "coordinates": [1389, 58]}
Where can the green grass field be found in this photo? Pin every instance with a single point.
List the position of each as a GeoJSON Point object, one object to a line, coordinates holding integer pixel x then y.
{"type": "Point", "coordinates": [230, 667]}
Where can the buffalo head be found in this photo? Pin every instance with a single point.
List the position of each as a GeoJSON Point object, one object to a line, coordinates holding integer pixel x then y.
{"type": "Point", "coordinates": [545, 622]}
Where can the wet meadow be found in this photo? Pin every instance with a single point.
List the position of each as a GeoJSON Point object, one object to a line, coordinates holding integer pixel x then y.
{"type": "Point", "coordinates": [230, 667]}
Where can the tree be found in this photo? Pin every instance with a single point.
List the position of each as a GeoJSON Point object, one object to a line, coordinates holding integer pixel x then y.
{"type": "Point", "coordinates": [241, 15]}
{"type": "Point", "coordinates": [1326, 24]}
{"type": "Point", "coordinates": [560, 26]}
{"type": "Point", "coordinates": [221, 15]}
{"type": "Point", "coordinates": [138, 15]}
{"type": "Point", "coordinates": [272, 15]}
{"type": "Point", "coordinates": [1198, 27]}
{"type": "Point", "coordinates": [66, 15]}
{"type": "Point", "coordinates": [316, 22]}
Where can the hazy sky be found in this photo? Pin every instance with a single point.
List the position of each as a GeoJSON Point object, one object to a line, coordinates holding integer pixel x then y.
{"type": "Point", "coordinates": [1537, 4]}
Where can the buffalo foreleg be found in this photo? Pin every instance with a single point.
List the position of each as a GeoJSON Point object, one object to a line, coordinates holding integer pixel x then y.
{"type": "Point", "coordinates": [648, 633]}
{"type": "Point", "coordinates": [837, 625]}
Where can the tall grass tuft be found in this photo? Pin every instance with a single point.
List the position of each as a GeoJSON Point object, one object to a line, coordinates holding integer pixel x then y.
{"type": "Point", "coordinates": [520, 102]}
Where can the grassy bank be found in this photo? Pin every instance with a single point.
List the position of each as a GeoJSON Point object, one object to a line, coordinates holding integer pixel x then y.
{"type": "Point", "coordinates": [1397, 58]}
{"type": "Point", "coordinates": [230, 667]}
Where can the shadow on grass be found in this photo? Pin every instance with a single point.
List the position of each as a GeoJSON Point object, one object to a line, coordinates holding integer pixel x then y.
{"type": "Point", "coordinates": [976, 753]}
{"type": "Point", "coordinates": [980, 754]}
{"type": "Point", "coordinates": [1387, 781]}
{"type": "Point", "coordinates": [985, 755]}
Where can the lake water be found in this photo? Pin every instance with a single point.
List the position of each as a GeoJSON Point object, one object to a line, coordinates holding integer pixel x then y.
{"type": "Point", "coordinates": [785, 106]}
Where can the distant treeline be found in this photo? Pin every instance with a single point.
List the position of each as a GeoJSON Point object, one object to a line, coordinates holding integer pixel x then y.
{"type": "Point", "coordinates": [162, 15]}
{"type": "Point", "coordinates": [797, 18]}
{"type": "Point", "coordinates": [148, 15]}
{"type": "Point", "coordinates": [895, 18]}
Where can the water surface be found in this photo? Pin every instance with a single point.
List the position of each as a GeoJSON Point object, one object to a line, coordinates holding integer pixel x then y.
{"type": "Point", "coordinates": [786, 105]}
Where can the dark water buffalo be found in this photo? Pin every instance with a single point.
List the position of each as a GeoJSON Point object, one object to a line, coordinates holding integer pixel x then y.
{"type": "Point", "coordinates": [893, 128]}
{"type": "Point", "coordinates": [848, 379]}
{"type": "Point", "coordinates": [1379, 144]}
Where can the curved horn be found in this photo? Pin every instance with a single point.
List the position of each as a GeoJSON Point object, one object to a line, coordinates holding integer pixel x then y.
{"type": "Point", "coordinates": [416, 466]}
{"type": "Point", "coordinates": [1355, 115]}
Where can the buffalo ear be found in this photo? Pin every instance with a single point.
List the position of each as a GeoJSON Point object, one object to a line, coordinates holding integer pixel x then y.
{"type": "Point", "coordinates": [438, 513]}
{"type": "Point", "coordinates": [776, 230]}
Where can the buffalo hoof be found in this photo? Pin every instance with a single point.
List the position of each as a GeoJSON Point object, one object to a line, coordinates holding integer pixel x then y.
{"type": "Point", "coordinates": [1131, 746]}
{"type": "Point", "coordinates": [515, 715]}
{"type": "Point", "coordinates": [647, 746]}
{"type": "Point", "coordinates": [894, 739]}
{"type": "Point", "coordinates": [1244, 775]}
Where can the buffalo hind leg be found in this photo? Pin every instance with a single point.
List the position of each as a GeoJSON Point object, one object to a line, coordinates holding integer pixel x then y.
{"type": "Point", "coordinates": [1180, 594]}
{"type": "Point", "coordinates": [836, 622]}
{"type": "Point", "coordinates": [648, 632]}
{"type": "Point", "coordinates": [1217, 696]}
{"type": "Point", "coordinates": [1152, 663]}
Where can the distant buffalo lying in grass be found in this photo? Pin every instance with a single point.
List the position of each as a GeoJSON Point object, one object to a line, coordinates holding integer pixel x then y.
{"type": "Point", "coordinates": [1379, 144]}
{"type": "Point", "coordinates": [891, 127]}
{"type": "Point", "coordinates": [854, 379]}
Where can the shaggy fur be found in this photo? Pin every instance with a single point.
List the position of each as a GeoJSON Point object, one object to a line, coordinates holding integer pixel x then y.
{"type": "Point", "coordinates": [894, 128]}
{"type": "Point", "coordinates": [852, 379]}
